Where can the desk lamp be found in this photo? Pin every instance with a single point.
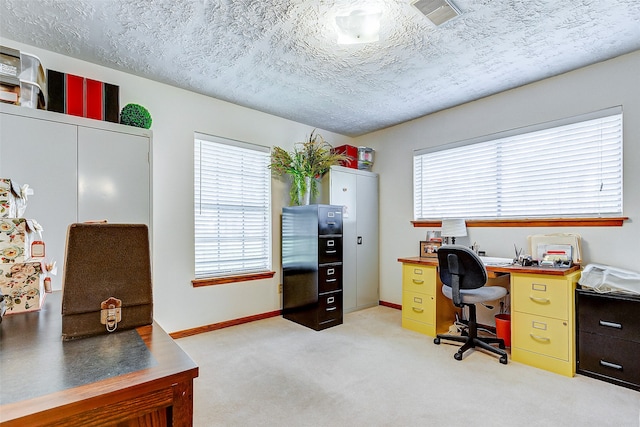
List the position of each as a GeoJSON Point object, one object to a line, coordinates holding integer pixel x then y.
{"type": "Point", "coordinates": [453, 228]}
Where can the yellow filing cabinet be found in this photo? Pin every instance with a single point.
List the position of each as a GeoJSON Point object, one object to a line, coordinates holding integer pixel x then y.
{"type": "Point", "coordinates": [542, 321]}
{"type": "Point", "coordinates": [424, 308]}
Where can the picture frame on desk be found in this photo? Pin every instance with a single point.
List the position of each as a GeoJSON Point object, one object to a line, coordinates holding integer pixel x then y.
{"type": "Point", "coordinates": [429, 249]}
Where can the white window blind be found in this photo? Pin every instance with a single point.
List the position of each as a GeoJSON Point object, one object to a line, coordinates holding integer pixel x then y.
{"type": "Point", "coordinates": [232, 207]}
{"type": "Point", "coordinates": [569, 168]}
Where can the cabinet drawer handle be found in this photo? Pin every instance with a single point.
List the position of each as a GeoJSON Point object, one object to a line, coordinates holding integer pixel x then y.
{"type": "Point", "coordinates": [331, 280]}
{"type": "Point", "coordinates": [331, 223]}
{"type": "Point", "coordinates": [330, 252]}
{"type": "Point", "coordinates": [418, 282]}
{"type": "Point", "coordinates": [417, 309]}
{"type": "Point", "coordinates": [539, 300]}
{"type": "Point", "coordinates": [611, 365]}
{"type": "Point", "coordinates": [610, 324]}
{"type": "Point", "coordinates": [539, 338]}
{"type": "Point", "coordinates": [331, 308]}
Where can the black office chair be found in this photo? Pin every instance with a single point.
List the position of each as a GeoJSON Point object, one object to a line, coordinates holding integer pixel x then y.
{"type": "Point", "coordinates": [464, 277]}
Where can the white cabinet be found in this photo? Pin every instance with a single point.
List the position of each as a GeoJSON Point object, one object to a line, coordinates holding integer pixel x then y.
{"type": "Point", "coordinates": [80, 170]}
{"type": "Point", "coordinates": [357, 192]}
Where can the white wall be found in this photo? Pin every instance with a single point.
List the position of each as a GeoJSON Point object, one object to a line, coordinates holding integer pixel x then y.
{"type": "Point", "coordinates": [610, 83]}
{"type": "Point", "coordinates": [176, 115]}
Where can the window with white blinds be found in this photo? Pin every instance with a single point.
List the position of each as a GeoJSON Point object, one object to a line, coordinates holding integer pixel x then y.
{"type": "Point", "coordinates": [232, 184]}
{"type": "Point", "coordinates": [565, 169]}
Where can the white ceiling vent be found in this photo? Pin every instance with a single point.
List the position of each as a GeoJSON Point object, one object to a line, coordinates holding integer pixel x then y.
{"type": "Point", "coordinates": [438, 11]}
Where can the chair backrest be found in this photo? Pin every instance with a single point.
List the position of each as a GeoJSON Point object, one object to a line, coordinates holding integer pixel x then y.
{"type": "Point", "coordinates": [460, 268]}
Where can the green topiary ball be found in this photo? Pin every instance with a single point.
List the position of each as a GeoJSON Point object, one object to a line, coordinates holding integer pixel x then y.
{"type": "Point", "coordinates": [135, 115]}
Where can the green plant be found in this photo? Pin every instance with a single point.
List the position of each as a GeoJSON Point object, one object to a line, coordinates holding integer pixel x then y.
{"type": "Point", "coordinates": [135, 115]}
{"type": "Point", "coordinates": [306, 164]}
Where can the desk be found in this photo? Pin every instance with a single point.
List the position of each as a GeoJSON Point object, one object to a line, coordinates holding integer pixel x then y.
{"type": "Point", "coordinates": [542, 310]}
{"type": "Point", "coordinates": [160, 394]}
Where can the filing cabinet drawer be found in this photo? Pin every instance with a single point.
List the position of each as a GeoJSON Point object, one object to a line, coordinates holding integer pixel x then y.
{"type": "Point", "coordinates": [329, 278]}
{"type": "Point", "coordinates": [330, 307]}
{"type": "Point", "coordinates": [330, 219]}
{"type": "Point", "coordinates": [542, 335]}
{"type": "Point", "coordinates": [609, 315]}
{"type": "Point", "coordinates": [419, 279]}
{"type": "Point", "coordinates": [609, 357]}
{"type": "Point", "coordinates": [419, 307]}
{"type": "Point", "coordinates": [329, 250]}
{"type": "Point", "coordinates": [545, 296]}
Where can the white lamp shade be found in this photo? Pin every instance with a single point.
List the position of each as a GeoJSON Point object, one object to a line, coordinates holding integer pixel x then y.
{"type": "Point", "coordinates": [455, 227]}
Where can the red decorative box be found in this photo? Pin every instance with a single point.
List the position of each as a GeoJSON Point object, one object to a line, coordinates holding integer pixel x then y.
{"type": "Point", "coordinates": [351, 152]}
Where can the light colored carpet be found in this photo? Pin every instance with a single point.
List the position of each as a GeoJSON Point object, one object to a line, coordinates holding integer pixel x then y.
{"type": "Point", "coordinates": [372, 372]}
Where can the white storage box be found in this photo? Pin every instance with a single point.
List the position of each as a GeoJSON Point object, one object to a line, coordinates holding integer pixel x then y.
{"type": "Point", "coordinates": [604, 279]}
{"type": "Point", "coordinates": [32, 95]}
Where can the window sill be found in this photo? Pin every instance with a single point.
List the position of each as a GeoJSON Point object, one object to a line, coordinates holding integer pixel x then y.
{"type": "Point", "coordinates": [533, 222]}
{"type": "Point", "coordinates": [232, 279]}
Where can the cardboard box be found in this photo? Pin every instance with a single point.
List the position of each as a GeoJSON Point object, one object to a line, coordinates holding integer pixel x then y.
{"type": "Point", "coordinates": [16, 236]}
{"type": "Point", "coordinates": [351, 152]}
{"type": "Point", "coordinates": [22, 285]}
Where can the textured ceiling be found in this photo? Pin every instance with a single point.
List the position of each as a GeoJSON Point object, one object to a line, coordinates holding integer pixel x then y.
{"type": "Point", "coordinates": [281, 57]}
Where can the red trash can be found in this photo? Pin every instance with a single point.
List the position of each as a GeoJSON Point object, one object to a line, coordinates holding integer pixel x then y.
{"type": "Point", "coordinates": [503, 328]}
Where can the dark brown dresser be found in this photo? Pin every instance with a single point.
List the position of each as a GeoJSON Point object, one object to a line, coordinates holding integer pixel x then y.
{"type": "Point", "coordinates": [312, 265]}
{"type": "Point", "coordinates": [608, 337]}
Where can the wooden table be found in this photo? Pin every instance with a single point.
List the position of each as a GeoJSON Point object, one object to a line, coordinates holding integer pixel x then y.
{"type": "Point", "coordinates": [43, 384]}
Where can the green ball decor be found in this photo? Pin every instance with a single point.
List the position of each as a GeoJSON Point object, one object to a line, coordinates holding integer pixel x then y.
{"type": "Point", "coordinates": [135, 115]}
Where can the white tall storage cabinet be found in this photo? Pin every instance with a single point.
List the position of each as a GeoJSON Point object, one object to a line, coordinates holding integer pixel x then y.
{"type": "Point", "coordinates": [80, 170]}
{"type": "Point", "coordinates": [357, 192]}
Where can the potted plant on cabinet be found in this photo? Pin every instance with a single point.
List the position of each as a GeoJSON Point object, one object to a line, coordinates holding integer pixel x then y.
{"type": "Point", "coordinates": [306, 164]}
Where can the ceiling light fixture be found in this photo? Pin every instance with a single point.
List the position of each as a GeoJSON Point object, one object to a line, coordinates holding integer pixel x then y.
{"type": "Point", "coordinates": [438, 11]}
{"type": "Point", "coordinates": [358, 26]}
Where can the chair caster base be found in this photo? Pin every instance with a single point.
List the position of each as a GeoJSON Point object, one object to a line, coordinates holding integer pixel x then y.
{"type": "Point", "coordinates": [503, 360]}
{"type": "Point", "coordinates": [457, 356]}
{"type": "Point", "coordinates": [436, 340]}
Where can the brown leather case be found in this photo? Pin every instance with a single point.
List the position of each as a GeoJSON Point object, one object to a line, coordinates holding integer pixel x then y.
{"type": "Point", "coordinates": [103, 261]}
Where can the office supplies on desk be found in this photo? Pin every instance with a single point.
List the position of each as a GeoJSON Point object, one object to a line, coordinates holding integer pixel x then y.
{"type": "Point", "coordinates": [543, 241]}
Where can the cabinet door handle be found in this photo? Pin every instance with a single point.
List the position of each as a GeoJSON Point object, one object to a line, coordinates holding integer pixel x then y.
{"type": "Point", "coordinates": [611, 365]}
{"type": "Point", "coordinates": [539, 300]}
{"type": "Point", "coordinates": [539, 338]}
{"type": "Point", "coordinates": [418, 282]}
{"type": "Point", "coordinates": [417, 309]}
{"type": "Point", "coordinates": [610, 324]}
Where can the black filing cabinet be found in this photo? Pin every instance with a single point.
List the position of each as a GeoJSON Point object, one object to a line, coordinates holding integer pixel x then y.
{"type": "Point", "coordinates": [312, 265]}
{"type": "Point", "coordinates": [608, 328]}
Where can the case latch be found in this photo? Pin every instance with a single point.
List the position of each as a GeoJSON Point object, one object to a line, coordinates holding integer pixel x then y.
{"type": "Point", "coordinates": [110, 313]}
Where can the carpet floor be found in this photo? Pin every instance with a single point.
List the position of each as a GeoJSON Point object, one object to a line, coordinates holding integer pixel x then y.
{"type": "Point", "coordinates": [372, 372]}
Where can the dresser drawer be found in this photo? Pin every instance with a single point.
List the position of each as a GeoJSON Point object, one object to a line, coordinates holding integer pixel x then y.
{"type": "Point", "coordinates": [419, 307]}
{"type": "Point", "coordinates": [330, 307]}
{"type": "Point", "coordinates": [329, 278]}
{"type": "Point", "coordinates": [609, 357]}
{"type": "Point", "coordinates": [607, 315]}
{"type": "Point", "coordinates": [416, 278]}
{"type": "Point", "coordinates": [542, 335]}
{"type": "Point", "coordinates": [329, 250]}
{"type": "Point", "coordinates": [545, 296]}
